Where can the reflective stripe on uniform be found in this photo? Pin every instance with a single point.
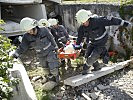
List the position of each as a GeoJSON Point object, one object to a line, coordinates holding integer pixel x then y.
{"type": "Point", "coordinates": [102, 35]}
{"type": "Point", "coordinates": [38, 50]}
{"type": "Point", "coordinates": [61, 37]}
{"type": "Point", "coordinates": [86, 63]}
{"type": "Point", "coordinates": [47, 46]}
{"type": "Point", "coordinates": [122, 22]}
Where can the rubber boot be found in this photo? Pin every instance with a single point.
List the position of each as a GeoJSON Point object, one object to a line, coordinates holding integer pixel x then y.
{"type": "Point", "coordinates": [85, 69]}
{"type": "Point", "coordinates": [62, 63]}
{"type": "Point", "coordinates": [96, 66]}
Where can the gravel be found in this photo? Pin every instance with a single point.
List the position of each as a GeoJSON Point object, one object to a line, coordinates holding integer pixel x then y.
{"type": "Point", "coordinates": [115, 86]}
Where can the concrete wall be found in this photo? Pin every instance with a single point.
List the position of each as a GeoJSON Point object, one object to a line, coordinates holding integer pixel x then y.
{"type": "Point", "coordinates": [116, 40]}
{"type": "Point", "coordinates": [24, 90]}
{"type": "Point", "coordinates": [21, 1]}
{"type": "Point", "coordinates": [68, 11]}
{"type": "Point", "coordinates": [0, 11]}
{"type": "Point", "coordinates": [37, 11]}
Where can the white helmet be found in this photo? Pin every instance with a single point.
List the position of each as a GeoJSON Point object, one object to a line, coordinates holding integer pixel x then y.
{"type": "Point", "coordinates": [43, 23]}
{"type": "Point", "coordinates": [53, 21]}
{"type": "Point", "coordinates": [28, 23]}
{"type": "Point", "coordinates": [83, 15]}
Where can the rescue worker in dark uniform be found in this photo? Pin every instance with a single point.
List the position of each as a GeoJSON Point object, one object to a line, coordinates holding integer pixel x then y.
{"type": "Point", "coordinates": [44, 23]}
{"type": "Point", "coordinates": [94, 29]}
{"type": "Point", "coordinates": [59, 32]}
{"type": "Point", "coordinates": [43, 42]}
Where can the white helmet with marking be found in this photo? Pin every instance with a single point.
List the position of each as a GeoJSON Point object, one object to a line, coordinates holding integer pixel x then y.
{"type": "Point", "coordinates": [28, 23]}
{"type": "Point", "coordinates": [53, 21]}
{"type": "Point", "coordinates": [43, 23]}
{"type": "Point", "coordinates": [83, 15]}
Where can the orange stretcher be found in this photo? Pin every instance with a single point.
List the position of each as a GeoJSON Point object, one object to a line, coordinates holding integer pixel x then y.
{"type": "Point", "coordinates": [62, 54]}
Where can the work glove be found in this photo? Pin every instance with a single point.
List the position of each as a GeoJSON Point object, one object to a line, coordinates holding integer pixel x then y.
{"type": "Point", "coordinates": [77, 47]}
{"type": "Point", "coordinates": [128, 24]}
{"type": "Point", "coordinates": [61, 44]}
{"type": "Point", "coordinates": [15, 55]}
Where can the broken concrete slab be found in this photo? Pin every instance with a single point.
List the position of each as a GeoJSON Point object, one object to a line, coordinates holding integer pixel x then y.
{"type": "Point", "coordinates": [24, 90]}
{"type": "Point", "coordinates": [81, 79]}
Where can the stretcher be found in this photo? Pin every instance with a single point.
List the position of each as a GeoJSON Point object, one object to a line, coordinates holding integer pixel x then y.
{"type": "Point", "coordinates": [62, 54]}
{"type": "Point", "coordinates": [68, 56]}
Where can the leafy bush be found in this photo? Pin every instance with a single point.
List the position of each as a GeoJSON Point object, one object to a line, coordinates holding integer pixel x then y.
{"type": "Point", "coordinates": [6, 91]}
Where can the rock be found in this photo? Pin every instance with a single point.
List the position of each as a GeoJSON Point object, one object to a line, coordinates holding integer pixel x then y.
{"type": "Point", "coordinates": [49, 85]}
{"type": "Point", "coordinates": [53, 97]}
{"type": "Point", "coordinates": [88, 93]}
{"type": "Point", "coordinates": [86, 96]}
{"type": "Point", "coordinates": [93, 83]}
{"type": "Point", "coordinates": [115, 81]}
{"type": "Point", "coordinates": [82, 98]}
{"type": "Point", "coordinates": [94, 95]}
{"type": "Point", "coordinates": [59, 96]}
{"type": "Point", "coordinates": [95, 88]}
{"type": "Point", "coordinates": [37, 63]}
{"type": "Point", "coordinates": [102, 87]}
{"type": "Point", "coordinates": [36, 78]}
{"type": "Point", "coordinates": [101, 97]}
{"type": "Point", "coordinates": [63, 88]}
{"type": "Point", "coordinates": [131, 64]}
{"type": "Point", "coordinates": [28, 62]}
{"type": "Point", "coordinates": [65, 97]}
{"type": "Point", "coordinates": [44, 80]}
{"type": "Point", "coordinates": [121, 83]}
{"type": "Point", "coordinates": [131, 91]}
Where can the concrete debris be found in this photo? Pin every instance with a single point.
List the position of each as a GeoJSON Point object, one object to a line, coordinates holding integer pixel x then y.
{"type": "Point", "coordinates": [44, 80]}
{"type": "Point", "coordinates": [36, 78]}
{"type": "Point", "coordinates": [102, 87]}
{"type": "Point", "coordinates": [82, 79]}
{"type": "Point", "coordinates": [82, 98]}
{"type": "Point", "coordinates": [86, 96]}
{"type": "Point", "coordinates": [94, 95]}
{"type": "Point", "coordinates": [49, 85]}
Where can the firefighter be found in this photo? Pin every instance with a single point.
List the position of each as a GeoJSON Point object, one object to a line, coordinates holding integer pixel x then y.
{"type": "Point", "coordinates": [94, 29]}
{"type": "Point", "coordinates": [59, 31]}
{"type": "Point", "coordinates": [44, 23]}
{"type": "Point", "coordinates": [42, 41]}
{"type": "Point", "coordinates": [60, 34]}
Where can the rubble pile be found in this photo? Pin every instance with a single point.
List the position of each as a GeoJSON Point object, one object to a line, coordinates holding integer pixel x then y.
{"type": "Point", "coordinates": [115, 86]}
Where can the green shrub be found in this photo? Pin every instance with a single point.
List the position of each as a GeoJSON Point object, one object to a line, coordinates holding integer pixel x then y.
{"type": "Point", "coordinates": [6, 62]}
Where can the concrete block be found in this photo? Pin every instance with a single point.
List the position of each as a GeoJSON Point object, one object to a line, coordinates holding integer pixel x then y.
{"type": "Point", "coordinates": [24, 90]}
{"type": "Point", "coordinates": [81, 79]}
{"type": "Point", "coordinates": [122, 64]}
